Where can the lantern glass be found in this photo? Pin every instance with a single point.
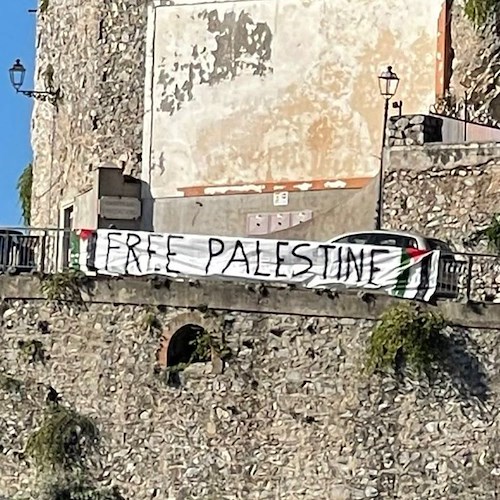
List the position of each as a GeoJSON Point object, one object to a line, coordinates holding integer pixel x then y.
{"type": "Point", "coordinates": [17, 73]}
{"type": "Point", "coordinates": [388, 82]}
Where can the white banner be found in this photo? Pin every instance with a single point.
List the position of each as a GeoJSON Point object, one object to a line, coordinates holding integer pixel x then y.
{"type": "Point", "coordinates": [408, 273]}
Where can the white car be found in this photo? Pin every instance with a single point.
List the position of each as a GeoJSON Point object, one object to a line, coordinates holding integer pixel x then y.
{"type": "Point", "coordinates": [450, 268]}
{"type": "Point", "coordinates": [399, 239]}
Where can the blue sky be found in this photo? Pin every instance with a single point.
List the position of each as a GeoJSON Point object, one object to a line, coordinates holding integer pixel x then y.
{"type": "Point", "coordinates": [17, 40]}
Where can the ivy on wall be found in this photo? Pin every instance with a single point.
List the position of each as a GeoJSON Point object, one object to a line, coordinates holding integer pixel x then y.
{"type": "Point", "coordinates": [44, 5]}
{"type": "Point", "coordinates": [24, 189]}
{"type": "Point", "coordinates": [479, 10]}
{"type": "Point", "coordinates": [60, 448]}
{"type": "Point", "coordinates": [62, 438]}
{"type": "Point", "coordinates": [491, 234]}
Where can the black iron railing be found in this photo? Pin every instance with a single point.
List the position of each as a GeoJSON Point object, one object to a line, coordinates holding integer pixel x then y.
{"type": "Point", "coordinates": [25, 250]}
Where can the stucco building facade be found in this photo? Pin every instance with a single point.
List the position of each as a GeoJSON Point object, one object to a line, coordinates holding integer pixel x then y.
{"type": "Point", "coordinates": [244, 118]}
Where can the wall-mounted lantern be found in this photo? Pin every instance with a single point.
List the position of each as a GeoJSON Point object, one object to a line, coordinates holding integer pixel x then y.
{"type": "Point", "coordinates": [17, 73]}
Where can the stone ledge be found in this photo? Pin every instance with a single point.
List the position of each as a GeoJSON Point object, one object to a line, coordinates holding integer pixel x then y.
{"type": "Point", "coordinates": [226, 295]}
{"type": "Point", "coordinates": [492, 148]}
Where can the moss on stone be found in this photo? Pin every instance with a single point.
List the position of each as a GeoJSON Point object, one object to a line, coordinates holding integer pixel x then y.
{"type": "Point", "coordinates": [32, 351]}
{"type": "Point", "coordinates": [10, 384]}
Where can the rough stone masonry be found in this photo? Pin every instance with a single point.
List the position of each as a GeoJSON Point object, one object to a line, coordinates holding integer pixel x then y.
{"type": "Point", "coordinates": [291, 414]}
{"type": "Point", "coordinates": [93, 52]}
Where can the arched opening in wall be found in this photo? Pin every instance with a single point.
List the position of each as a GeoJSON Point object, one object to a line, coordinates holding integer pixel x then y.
{"type": "Point", "coordinates": [189, 344]}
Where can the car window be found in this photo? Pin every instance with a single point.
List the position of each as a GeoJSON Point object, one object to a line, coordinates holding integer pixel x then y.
{"type": "Point", "coordinates": [386, 240]}
{"type": "Point", "coordinates": [439, 245]}
{"type": "Point", "coordinates": [410, 242]}
{"type": "Point", "coordinates": [355, 239]}
{"type": "Point", "coordinates": [393, 240]}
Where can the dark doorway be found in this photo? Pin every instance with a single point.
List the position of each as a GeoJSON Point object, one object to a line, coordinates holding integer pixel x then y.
{"type": "Point", "coordinates": [184, 349]}
{"type": "Point", "coordinates": [68, 227]}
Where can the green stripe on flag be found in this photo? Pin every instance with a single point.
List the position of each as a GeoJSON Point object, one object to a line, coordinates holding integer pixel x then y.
{"type": "Point", "coordinates": [74, 244]}
{"type": "Point", "coordinates": [404, 277]}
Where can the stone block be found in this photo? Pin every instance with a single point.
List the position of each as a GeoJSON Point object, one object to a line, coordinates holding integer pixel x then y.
{"type": "Point", "coordinates": [419, 128]}
{"type": "Point", "coordinates": [402, 123]}
{"type": "Point", "coordinates": [418, 119]}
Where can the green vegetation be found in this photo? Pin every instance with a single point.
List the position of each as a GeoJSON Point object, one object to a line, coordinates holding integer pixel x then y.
{"type": "Point", "coordinates": [32, 351]}
{"type": "Point", "coordinates": [10, 384]}
{"type": "Point", "coordinates": [406, 333]}
{"type": "Point", "coordinates": [63, 286]}
{"type": "Point", "coordinates": [62, 440]}
{"type": "Point", "coordinates": [150, 321]}
{"type": "Point", "coordinates": [44, 5]}
{"type": "Point", "coordinates": [204, 346]}
{"type": "Point", "coordinates": [478, 11]}
{"type": "Point", "coordinates": [59, 448]}
{"type": "Point", "coordinates": [491, 234]}
{"type": "Point", "coordinates": [79, 489]}
{"type": "Point", "coordinates": [24, 189]}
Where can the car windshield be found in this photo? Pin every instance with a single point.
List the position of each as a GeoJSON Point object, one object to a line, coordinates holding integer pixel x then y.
{"type": "Point", "coordinates": [380, 239]}
{"type": "Point", "coordinates": [393, 240]}
{"type": "Point", "coordinates": [439, 245]}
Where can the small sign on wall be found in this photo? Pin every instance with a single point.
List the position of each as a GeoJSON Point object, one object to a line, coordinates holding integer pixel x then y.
{"type": "Point", "coordinates": [280, 199]}
{"type": "Point", "coordinates": [119, 208]}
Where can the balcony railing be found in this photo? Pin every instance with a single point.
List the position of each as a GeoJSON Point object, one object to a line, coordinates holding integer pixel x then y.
{"type": "Point", "coordinates": [33, 250]}
{"type": "Point", "coordinates": [462, 276]}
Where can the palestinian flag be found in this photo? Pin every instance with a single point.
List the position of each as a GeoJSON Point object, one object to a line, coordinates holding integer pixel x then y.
{"type": "Point", "coordinates": [76, 255]}
{"type": "Point", "coordinates": [416, 279]}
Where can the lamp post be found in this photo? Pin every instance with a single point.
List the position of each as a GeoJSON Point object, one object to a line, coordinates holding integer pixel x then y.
{"type": "Point", "coordinates": [17, 73]}
{"type": "Point", "coordinates": [388, 84]}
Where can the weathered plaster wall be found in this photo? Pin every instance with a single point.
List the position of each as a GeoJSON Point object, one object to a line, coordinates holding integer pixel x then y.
{"type": "Point", "coordinates": [95, 51]}
{"type": "Point", "coordinates": [291, 415]}
{"type": "Point", "coordinates": [447, 191]}
{"type": "Point", "coordinates": [245, 92]}
{"type": "Point", "coordinates": [333, 212]}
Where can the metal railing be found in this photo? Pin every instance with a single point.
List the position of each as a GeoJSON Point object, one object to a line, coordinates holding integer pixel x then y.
{"type": "Point", "coordinates": [457, 131]}
{"type": "Point", "coordinates": [466, 276]}
{"type": "Point", "coordinates": [462, 276]}
{"type": "Point", "coordinates": [28, 250]}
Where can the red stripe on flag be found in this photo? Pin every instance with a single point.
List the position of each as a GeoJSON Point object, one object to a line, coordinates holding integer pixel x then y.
{"type": "Point", "coordinates": [85, 234]}
{"type": "Point", "coordinates": [416, 252]}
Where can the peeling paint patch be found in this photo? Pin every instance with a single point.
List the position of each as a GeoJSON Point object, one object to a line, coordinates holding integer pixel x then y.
{"type": "Point", "coordinates": [335, 184]}
{"type": "Point", "coordinates": [271, 187]}
{"type": "Point", "coordinates": [249, 188]}
{"type": "Point", "coordinates": [241, 45]}
{"type": "Point", "coordinates": [304, 186]}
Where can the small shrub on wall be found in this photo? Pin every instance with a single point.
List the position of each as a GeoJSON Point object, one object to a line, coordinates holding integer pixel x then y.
{"type": "Point", "coordinates": [62, 439]}
{"type": "Point", "coordinates": [24, 188]}
{"type": "Point", "coordinates": [406, 335]}
{"type": "Point", "coordinates": [478, 11]}
{"type": "Point", "coordinates": [491, 234]}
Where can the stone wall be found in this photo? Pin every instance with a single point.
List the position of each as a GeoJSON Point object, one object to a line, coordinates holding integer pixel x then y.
{"type": "Point", "coordinates": [93, 51]}
{"type": "Point", "coordinates": [449, 192]}
{"type": "Point", "coordinates": [475, 64]}
{"type": "Point", "coordinates": [291, 414]}
{"type": "Point", "coordinates": [413, 130]}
